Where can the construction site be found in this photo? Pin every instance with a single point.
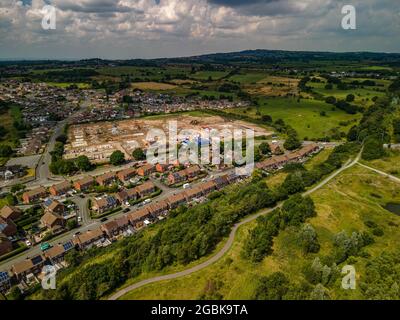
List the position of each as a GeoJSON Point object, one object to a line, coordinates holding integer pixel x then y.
{"type": "Point", "coordinates": [99, 140]}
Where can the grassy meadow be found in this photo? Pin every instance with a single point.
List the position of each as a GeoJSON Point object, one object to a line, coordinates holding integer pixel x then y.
{"type": "Point", "coordinates": [345, 203]}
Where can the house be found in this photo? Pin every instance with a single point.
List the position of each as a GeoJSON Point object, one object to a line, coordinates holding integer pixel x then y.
{"type": "Point", "coordinates": [126, 195]}
{"type": "Point", "coordinates": [161, 168]}
{"type": "Point", "coordinates": [23, 268]}
{"type": "Point", "coordinates": [208, 187]}
{"type": "Point", "coordinates": [11, 172]}
{"type": "Point", "coordinates": [56, 254]}
{"type": "Point", "coordinates": [176, 200]}
{"type": "Point", "coordinates": [183, 175]}
{"type": "Point", "coordinates": [106, 179]}
{"type": "Point", "coordinates": [34, 195]}
{"type": "Point", "coordinates": [221, 182]}
{"type": "Point", "coordinates": [275, 148]}
{"type": "Point", "coordinates": [158, 208]}
{"type": "Point", "coordinates": [86, 239]}
{"type": "Point", "coordinates": [176, 177]}
{"type": "Point", "coordinates": [126, 174]}
{"type": "Point", "coordinates": [5, 244]}
{"type": "Point", "coordinates": [84, 184]}
{"type": "Point", "coordinates": [54, 206]}
{"type": "Point", "coordinates": [195, 192]}
{"type": "Point", "coordinates": [11, 213]}
{"type": "Point", "coordinates": [7, 227]}
{"type": "Point", "coordinates": [60, 189]}
{"type": "Point", "coordinates": [5, 282]}
{"type": "Point", "coordinates": [145, 170]}
{"type": "Point", "coordinates": [138, 216]}
{"type": "Point", "coordinates": [104, 204]}
{"type": "Point", "coordinates": [113, 228]}
{"type": "Point", "coordinates": [53, 221]}
{"type": "Point", "coordinates": [145, 189]}
{"type": "Point", "coordinates": [192, 171]}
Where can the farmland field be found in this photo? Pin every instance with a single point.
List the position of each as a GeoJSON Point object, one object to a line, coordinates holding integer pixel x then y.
{"type": "Point", "coordinates": [303, 116]}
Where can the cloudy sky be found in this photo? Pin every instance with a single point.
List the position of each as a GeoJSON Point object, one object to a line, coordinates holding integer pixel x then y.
{"type": "Point", "coordinates": [120, 29]}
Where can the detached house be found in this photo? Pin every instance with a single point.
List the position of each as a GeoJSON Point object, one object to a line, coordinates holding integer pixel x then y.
{"type": "Point", "coordinates": [11, 213]}
{"type": "Point", "coordinates": [53, 221]}
{"type": "Point", "coordinates": [23, 268]}
{"type": "Point", "coordinates": [104, 204]}
{"type": "Point", "coordinates": [7, 227]}
{"type": "Point", "coordinates": [145, 189]}
{"type": "Point", "coordinates": [54, 206]}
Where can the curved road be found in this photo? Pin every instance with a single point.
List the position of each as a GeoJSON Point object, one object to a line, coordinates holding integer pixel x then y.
{"type": "Point", "coordinates": [228, 243]}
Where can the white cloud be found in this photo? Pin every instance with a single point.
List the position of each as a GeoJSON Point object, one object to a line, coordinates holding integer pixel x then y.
{"type": "Point", "coordinates": [145, 28]}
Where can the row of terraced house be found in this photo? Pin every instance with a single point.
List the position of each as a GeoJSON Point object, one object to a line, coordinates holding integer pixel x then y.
{"type": "Point", "coordinates": [26, 269]}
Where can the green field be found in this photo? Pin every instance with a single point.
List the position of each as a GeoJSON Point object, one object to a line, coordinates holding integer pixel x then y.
{"type": "Point", "coordinates": [363, 96]}
{"type": "Point", "coordinates": [205, 75]}
{"type": "Point", "coordinates": [303, 116]}
{"type": "Point", "coordinates": [343, 204]}
{"type": "Point", "coordinates": [389, 164]}
{"type": "Point", "coordinates": [248, 77]}
{"type": "Point", "coordinates": [145, 73]}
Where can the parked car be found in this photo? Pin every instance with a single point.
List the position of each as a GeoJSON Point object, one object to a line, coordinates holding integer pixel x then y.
{"type": "Point", "coordinates": [28, 243]}
{"type": "Point", "coordinates": [45, 246]}
{"type": "Point", "coordinates": [103, 219]}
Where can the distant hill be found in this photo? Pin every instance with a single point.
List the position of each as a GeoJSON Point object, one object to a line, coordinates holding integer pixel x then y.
{"type": "Point", "coordinates": [259, 56]}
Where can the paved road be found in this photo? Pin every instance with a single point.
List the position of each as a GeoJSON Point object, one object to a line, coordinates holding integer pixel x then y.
{"type": "Point", "coordinates": [228, 243]}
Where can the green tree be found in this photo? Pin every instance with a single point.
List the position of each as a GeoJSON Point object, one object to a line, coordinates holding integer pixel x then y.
{"type": "Point", "coordinates": [83, 163]}
{"type": "Point", "coordinates": [72, 224]}
{"type": "Point", "coordinates": [62, 138]}
{"type": "Point", "coordinates": [330, 100]}
{"type": "Point", "coordinates": [5, 151]}
{"type": "Point", "coordinates": [373, 149]}
{"type": "Point", "coordinates": [11, 199]}
{"type": "Point", "coordinates": [350, 97]}
{"type": "Point", "coordinates": [264, 148]}
{"type": "Point", "coordinates": [138, 154]}
{"type": "Point", "coordinates": [117, 158]}
{"type": "Point", "coordinates": [273, 287]}
{"type": "Point", "coordinates": [309, 239]}
{"type": "Point", "coordinates": [266, 118]}
{"type": "Point", "coordinates": [292, 142]}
